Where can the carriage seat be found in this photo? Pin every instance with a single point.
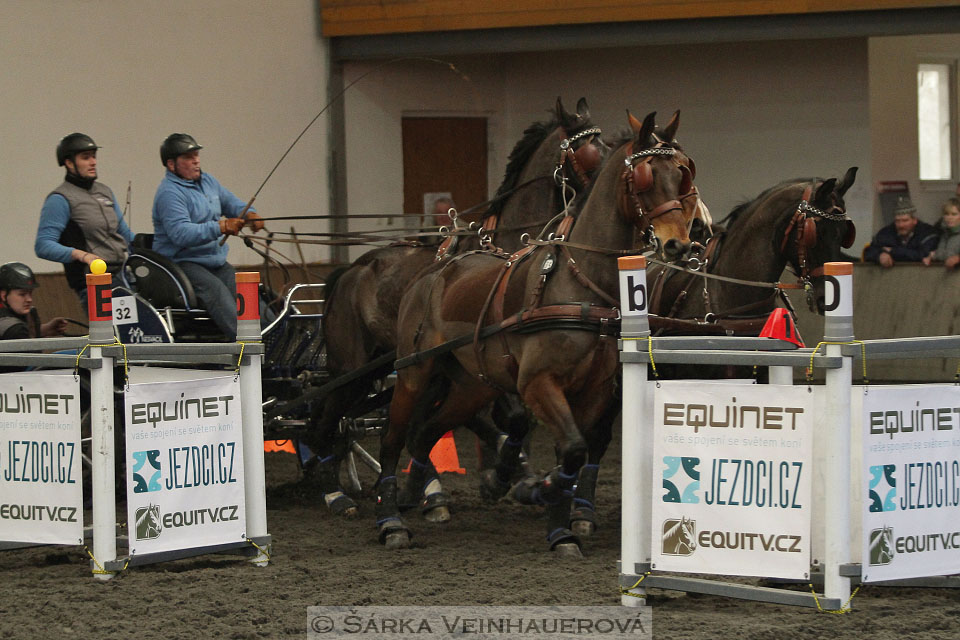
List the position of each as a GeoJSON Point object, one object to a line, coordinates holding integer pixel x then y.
{"type": "Point", "coordinates": [161, 282]}
{"type": "Point", "coordinates": [159, 279]}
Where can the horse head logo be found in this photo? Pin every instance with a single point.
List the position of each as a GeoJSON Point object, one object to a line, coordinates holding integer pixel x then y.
{"type": "Point", "coordinates": [679, 537]}
{"type": "Point", "coordinates": [148, 522]}
{"type": "Point", "coordinates": [881, 546]}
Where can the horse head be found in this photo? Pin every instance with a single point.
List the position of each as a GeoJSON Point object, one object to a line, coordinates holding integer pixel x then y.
{"type": "Point", "coordinates": [547, 168]}
{"type": "Point", "coordinates": [818, 232]}
{"type": "Point", "coordinates": [656, 174]}
{"type": "Point", "coordinates": [695, 211]}
{"type": "Point", "coordinates": [582, 151]}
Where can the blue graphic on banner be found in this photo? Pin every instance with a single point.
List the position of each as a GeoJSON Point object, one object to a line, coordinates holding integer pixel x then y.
{"type": "Point", "coordinates": [146, 480]}
{"type": "Point", "coordinates": [681, 487]}
{"type": "Point", "coordinates": [882, 483]}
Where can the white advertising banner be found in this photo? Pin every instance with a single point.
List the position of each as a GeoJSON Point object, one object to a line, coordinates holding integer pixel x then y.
{"type": "Point", "coordinates": [734, 461]}
{"type": "Point", "coordinates": [184, 463]}
{"type": "Point", "coordinates": [41, 493]}
{"type": "Point", "coordinates": [911, 482]}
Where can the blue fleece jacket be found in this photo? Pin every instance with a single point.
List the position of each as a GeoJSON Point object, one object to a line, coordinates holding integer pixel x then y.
{"type": "Point", "coordinates": [186, 216]}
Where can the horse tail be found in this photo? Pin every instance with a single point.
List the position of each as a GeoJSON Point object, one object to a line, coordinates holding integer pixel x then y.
{"type": "Point", "coordinates": [330, 282]}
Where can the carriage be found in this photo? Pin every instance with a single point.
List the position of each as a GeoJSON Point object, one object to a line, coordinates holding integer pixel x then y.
{"type": "Point", "coordinates": [154, 302]}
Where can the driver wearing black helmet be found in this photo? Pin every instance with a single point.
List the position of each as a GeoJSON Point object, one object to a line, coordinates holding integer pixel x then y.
{"type": "Point", "coordinates": [191, 210]}
{"type": "Point", "coordinates": [81, 220]}
{"type": "Point", "coordinates": [18, 317]}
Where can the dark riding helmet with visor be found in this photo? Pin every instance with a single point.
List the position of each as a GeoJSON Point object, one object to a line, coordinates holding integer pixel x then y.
{"type": "Point", "coordinates": [177, 144]}
{"type": "Point", "coordinates": [16, 275]}
{"type": "Point", "coordinates": [72, 144]}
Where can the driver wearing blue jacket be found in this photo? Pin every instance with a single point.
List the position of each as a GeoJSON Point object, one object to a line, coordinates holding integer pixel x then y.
{"type": "Point", "coordinates": [191, 210]}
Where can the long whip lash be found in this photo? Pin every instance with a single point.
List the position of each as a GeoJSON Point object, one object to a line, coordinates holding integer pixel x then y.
{"type": "Point", "coordinates": [450, 65]}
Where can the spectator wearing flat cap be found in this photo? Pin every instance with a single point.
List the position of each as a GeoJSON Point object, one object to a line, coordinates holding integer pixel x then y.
{"type": "Point", "coordinates": [906, 239]}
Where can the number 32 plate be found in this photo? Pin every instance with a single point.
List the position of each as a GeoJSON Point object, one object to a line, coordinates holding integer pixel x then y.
{"type": "Point", "coordinates": [125, 310]}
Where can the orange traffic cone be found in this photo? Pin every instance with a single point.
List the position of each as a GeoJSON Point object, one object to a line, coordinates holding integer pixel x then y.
{"type": "Point", "coordinates": [780, 326]}
{"type": "Point", "coordinates": [279, 445]}
{"type": "Point", "coordinates": [444, 456]}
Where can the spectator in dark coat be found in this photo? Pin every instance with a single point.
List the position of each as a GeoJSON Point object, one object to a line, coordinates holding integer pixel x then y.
{"type": "Point", "coordinates": [907, 239]}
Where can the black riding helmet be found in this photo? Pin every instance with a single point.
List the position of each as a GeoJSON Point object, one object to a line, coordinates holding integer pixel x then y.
{"type": "Point", "coordinates": [177, 144]}
{"type": "Point", "coordinates": [71, 145]}
{"type": "Point", "coordinates": [16, 275]}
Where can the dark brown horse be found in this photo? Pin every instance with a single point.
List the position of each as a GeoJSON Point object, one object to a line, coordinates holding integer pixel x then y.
{"type": "Point", "coordinates": [799, 223]}
{"type": "Point", "coordinates": [558, 351]}
{"type": "Point", "coordinates": [553, 161]}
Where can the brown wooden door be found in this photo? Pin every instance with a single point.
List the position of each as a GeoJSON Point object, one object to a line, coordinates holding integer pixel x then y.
{"type": "Point", "coordinates": [444, 155]}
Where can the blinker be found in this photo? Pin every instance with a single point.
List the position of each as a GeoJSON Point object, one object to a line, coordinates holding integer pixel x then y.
{"type": "Point", "coordinates": [642, 177]}
{"type": "Point", "coordinates": [849, 235]}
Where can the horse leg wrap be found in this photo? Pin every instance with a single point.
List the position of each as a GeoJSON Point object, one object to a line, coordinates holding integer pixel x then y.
{"type": "Point", "coordinates": [584, 495]}
{"type": "Point", "coordinates": [388, 515]}
{"type": "Point", "coordinates": [328, 474]}
{"type": "Point", "coordinates": [423, 488]}
{"type": "Point", "coordinates": [557, 492]}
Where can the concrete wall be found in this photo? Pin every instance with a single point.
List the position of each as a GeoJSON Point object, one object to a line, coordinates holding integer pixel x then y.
{"type": "Point", "coordinates": [753, 115]}
{"type": "Point", "coordinates": [893, 115]}
{"type": "Point", "coordinates": [243, 76]}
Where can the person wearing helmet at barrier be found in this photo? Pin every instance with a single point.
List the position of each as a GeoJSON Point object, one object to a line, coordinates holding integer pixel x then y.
{"type": "Point", "coordinates": [191, 210]}
{"type": "Point", "coordinates": [18, 317]}
{"type": "Point", "coordinates": [80, 220]}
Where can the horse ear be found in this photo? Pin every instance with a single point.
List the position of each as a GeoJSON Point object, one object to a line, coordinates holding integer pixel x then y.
{"type": "Point", "coordinates": [824, 190]}
{"type": "Point", "coordinates": [562, 115]}
{"type": "Point", "coordinates": [635, 125]}
{"type": "Point", "coordinates": [645, 136]}
{"type": "Point", "coordinates": [670, 131]}
{"type": "Point", "coordinates": [583, 110]}
{"type": "Point", "coordinates": [847, 181]}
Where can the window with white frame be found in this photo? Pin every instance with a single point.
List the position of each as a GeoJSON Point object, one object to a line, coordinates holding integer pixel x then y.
{"type": "Point", "coordinates": [934, 120]}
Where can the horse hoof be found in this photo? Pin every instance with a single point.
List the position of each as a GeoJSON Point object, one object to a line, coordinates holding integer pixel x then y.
{"type": "Point", "coordinates": [568, 550]}
{"type": "Point", "coordinates": [583, 528]}
{"type": "Point", "coordinates": [439, 514]}
{"type": "Point", "coordinates": [344, 506]}
{"type": "Point", "coordinates": [397, 540]}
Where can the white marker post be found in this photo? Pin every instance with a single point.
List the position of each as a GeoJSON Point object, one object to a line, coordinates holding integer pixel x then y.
{"type": "Point", "coordinates": [838, 327]}
{"type": "Point", "coordinates": [637, 430]}
{"type": "Point", "coordinates": [102, 453]}
{"type": "Point", "coordinates": [255, 493]}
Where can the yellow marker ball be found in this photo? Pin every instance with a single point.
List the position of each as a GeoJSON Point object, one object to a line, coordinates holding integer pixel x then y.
{"type": "Point", "coordinates": [98, 266]}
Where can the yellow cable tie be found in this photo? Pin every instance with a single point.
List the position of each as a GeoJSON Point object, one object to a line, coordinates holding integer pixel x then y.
{"type": "Point", "coordinates": [649, 340]}
{"type": "Point", "coordinates": [240, 357]}
{"type": "Point", "coordinates": [863, 358]}
{"type": "Point", "coordinates": [260, 549]}
{"type": "Point", "coordinates": [626, 592]}
{"type": "Point", "coordinates": [100, 571]}
{"type": "Point", "coordinates": [839, 612]}
{"type": "Point", "coordinates": [116, 342]}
